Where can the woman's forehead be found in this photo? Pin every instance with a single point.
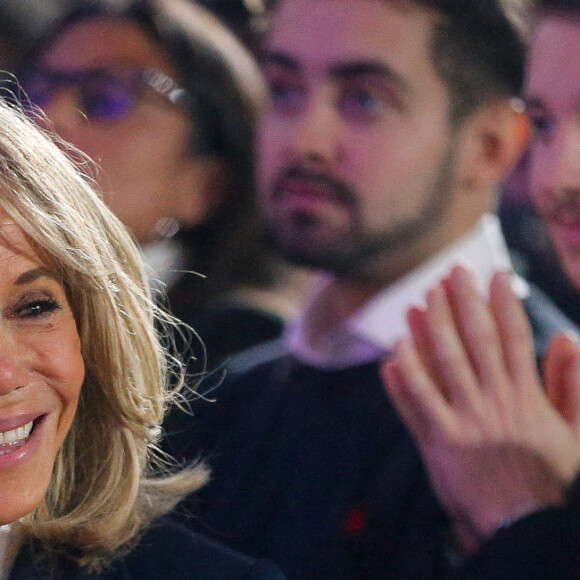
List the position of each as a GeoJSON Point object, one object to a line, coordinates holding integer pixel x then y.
{"type": "Point", "coordinates": [15, 243]}
{"type": "Point", "coordinates": [104, 40]}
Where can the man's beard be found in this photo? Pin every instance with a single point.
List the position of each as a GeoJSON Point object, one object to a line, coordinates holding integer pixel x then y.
{"type": "Point", "coordinates": [354, 250]}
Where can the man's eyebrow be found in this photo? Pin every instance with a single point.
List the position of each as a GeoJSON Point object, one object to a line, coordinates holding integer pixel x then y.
{"type": "Point", "coordinates": [342, 70]}
{"type": "Point", "coordinates": [355, 69]}
{"type": "Point", "coordinates": [32, 275]}
{"type": "Point", "coordinates": [278, 59]}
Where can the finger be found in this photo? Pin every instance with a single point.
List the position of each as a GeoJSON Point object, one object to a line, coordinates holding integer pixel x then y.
{"type": "Point", "coordinates": [515, 333]}
{"type": "Point", "coordinates": [455, 368]}
{"type": "Point", "coordinates": [419, 332]}
{"type": "Point", "coordinates": [572, 398]}
{"type": "Point", "coordinates": [401, 398]}
{"type": "Point", "coordinates": [562, 377]}
{"type": "Point", "coordinates": [417, 320]}
{"type": "Point", "coordinates": [556, 365]}
{"type": "Point", "coordinates": [477, 329]}
{"type": "Point", "coordinates": [415, 396]}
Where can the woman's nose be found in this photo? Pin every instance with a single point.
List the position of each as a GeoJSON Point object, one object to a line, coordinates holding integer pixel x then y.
{"type": "Point", "coordinates": [12, 363]}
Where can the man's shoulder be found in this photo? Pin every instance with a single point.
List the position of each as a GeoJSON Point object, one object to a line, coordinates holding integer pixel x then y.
{"type": "Point", "coordinates": [272, 364]}
{"type": "Point", "coordinates": [256, 359]}
{"type": "Point", "coordinates": [255, 368]}
{"type": "Point", "coordinates": [242, 388]}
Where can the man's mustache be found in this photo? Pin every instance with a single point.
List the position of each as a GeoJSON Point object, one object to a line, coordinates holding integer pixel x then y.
{"type": "Point", "coordinates": [339, 190]}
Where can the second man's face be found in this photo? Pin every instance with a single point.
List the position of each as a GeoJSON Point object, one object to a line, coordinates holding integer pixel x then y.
{"type": "Point", "coordinates": [553, 97]}
{"type": "Point", "coordinates": [355, 153]}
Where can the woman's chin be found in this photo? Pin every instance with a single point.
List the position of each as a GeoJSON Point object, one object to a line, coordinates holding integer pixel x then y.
{"type": "Point", "coordinates": [9, 516]}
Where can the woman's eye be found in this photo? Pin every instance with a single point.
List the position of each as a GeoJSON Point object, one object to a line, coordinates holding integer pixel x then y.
{"type": "Point", "coordinates": [36, 308]}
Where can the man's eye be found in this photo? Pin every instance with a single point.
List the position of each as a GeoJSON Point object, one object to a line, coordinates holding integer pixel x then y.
{"type": "Point", "coordinates": [543, 126]}
{"type": "Point", "coordinates": [286, 96]}
{"type": "Point", "coordinates": [36, 308]}
{"type": "Point", "coordinates": [361, 104]}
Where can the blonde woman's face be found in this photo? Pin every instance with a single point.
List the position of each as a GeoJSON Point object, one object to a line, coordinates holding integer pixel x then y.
{"type": "Point", "coordinates": [41, 372]}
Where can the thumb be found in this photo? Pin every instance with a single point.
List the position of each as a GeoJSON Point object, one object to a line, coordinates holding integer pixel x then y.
{"type": "Point", "coordinates": [562, 377]}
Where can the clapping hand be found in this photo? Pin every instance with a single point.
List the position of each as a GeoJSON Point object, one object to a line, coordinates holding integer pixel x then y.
{"type": "Point", "coordinates": [496, 445]}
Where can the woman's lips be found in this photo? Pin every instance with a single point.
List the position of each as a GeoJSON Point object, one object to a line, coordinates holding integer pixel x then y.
{"type": "Point", "coordinates": [17, 443]}
{"type": "Point", "coordinates": [19, 420]}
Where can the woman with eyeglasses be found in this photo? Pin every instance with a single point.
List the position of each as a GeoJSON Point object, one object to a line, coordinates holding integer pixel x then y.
{"type": "Point", "coordinates": [83, 388]}
{"type": "Point", "coordinates": [164, 99]}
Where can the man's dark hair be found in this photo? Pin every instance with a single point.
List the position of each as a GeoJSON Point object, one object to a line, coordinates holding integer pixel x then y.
{"type": "Point", "coordinates": [478, 48]}
{"type": "Point", "coordinates": [564, 7]}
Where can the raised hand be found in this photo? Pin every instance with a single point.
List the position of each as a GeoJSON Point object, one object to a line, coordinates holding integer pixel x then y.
{"type": "Point", "coordinates": [467, 386]}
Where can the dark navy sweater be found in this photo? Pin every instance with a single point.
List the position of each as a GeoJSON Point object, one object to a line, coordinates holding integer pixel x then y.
{"type": "Point", "coordinates": [314, 469]}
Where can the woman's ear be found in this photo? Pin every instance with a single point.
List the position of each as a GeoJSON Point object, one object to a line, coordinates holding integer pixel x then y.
{"type": "Point", "coordinates": [199, 190]}
{"type": "Point", "coordinates": [494, 138]}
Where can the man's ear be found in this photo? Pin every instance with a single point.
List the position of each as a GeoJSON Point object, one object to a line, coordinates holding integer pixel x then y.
{"type": "Point", "coordinates": [493, 139]}
{"type": "Point", "coordinates": [199, 190]}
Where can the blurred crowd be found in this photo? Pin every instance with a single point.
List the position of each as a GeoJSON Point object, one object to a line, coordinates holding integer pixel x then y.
{"type": "Point", "coordinates": [180, 175]}
{"type": "Point", "coordinates": [192, 257]}
{"type": "Point", "coordinates": [300, 191]}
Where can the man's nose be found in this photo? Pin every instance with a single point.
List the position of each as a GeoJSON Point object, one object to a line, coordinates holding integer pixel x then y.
{"type": "Point", "coordinates": [318, 132]}
{"type": "Point", "coordinates": [565, 158]}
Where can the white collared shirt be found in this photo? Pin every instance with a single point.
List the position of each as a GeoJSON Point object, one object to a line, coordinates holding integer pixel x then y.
{"type": "Point", "coordinates": [372, 331]}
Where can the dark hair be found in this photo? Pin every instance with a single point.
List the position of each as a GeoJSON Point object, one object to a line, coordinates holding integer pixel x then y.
{"type": "Point", "coordinates": [226, 90]}
{"type": "Point", "coordinates": [478, 48]}
{"type": "Point", "coordinates": [564, 7]}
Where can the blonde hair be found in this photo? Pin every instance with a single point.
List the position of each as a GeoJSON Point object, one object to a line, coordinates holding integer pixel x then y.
{"type": "Point", "coordinates": [108, 483]}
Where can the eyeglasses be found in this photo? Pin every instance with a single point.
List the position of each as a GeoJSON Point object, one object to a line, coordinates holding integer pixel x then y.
{"type": "Point", "coordinates": [104, 94]}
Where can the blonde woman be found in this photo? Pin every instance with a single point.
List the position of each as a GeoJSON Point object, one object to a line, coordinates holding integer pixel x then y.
{"type": "Point", "coordinates": [83, 388]}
